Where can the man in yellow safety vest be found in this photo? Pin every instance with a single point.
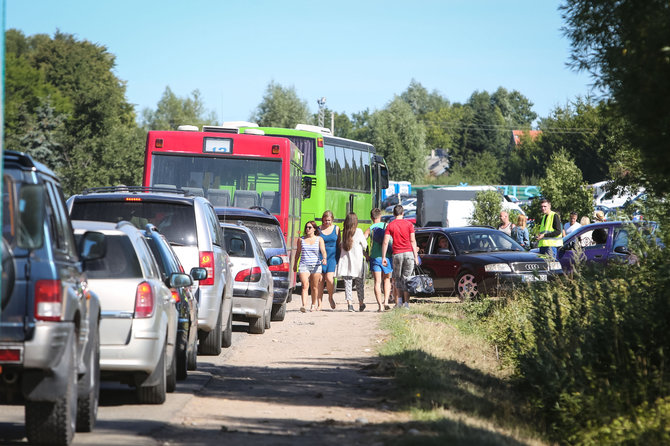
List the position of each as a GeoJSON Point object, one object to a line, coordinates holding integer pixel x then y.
{"type": "Point", "coordinates": [549, 238]}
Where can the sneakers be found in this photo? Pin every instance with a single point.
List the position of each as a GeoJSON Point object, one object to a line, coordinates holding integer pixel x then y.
{"type": "Point", "coordinates": [361, 307]}
{"type": "Point", "coordinates": [351, 308]}
{"type": "Point", "coordinates": [406, 305]}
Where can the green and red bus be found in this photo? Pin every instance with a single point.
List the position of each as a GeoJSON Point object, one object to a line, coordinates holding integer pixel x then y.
{"type": "Point", "coordinates": [339, 174]}
{"type": "Point", "coordinates": [230, 169]}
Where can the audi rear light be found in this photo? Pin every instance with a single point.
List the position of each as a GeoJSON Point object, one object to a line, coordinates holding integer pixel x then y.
{"type": "Point", "coordinates": [284, 265]}
{"type": "Point", "coordinates": [207, 262]}
{"type": "Point", "coordinates": [48, 300]}
{"type": "Point", "coordinates": [249, 275]}
{"type": "Point", "coordinates": [144, 301]}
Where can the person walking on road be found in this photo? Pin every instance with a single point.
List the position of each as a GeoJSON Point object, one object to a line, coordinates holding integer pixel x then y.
{"type": "Point", "coordinates": [351, 266]}
{"type": "Point", "coordinates": [331, 237]}
{"type": "Point", "coordinates": [549, 238]}
{"type": "Point", "coordinates": [312, 254]}
{"type": "Point", "coordinates": [405, 255]}
{"type": "Point", "coordinates": [381, 273]}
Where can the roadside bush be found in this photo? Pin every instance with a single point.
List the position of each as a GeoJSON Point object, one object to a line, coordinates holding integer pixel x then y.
{"type": "Point", "coordinates": [591, 350]}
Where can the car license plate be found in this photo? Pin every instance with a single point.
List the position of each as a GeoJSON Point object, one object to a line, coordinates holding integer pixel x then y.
{"type": "Point", "coordinates": [538, 278]}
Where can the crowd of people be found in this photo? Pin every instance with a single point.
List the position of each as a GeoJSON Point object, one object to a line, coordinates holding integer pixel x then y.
{"type": "Point", "coordinates": [325, 252]}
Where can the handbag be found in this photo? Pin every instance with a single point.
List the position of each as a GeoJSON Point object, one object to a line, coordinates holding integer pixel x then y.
{"type": "Point", "coordinates": [420, 282]}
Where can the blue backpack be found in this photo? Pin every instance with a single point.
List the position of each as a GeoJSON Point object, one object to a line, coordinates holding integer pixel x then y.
{"type": "Point", "coordinates": [378, 234]}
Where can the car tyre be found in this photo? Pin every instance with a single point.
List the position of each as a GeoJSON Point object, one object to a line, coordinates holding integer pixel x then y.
{"type": "Point", "coordinates": [210, 344]}
{"type": "Point", "coordinates": [257, 325]}
{"type": "Point", "coordinates": [192, 363]}
{"type": "Point", "coordinates": [171, 373]}
{"type": "Point", "coordinates": [182, 359]}
{"type": "Point", "coordinates": [278, 312]}
{"type": "Point", "coordinates": [155, 394]}
{"type": "Point", "coordinates": [467, 287]}
{"type": "Point", "coordinates": [89, 388]}
{"type": "Point", "coordinates": [268, 319]}
{"type": "Point", "coordinates": [50, 422]}
{"type": "Point", "coordinates": [227, 339]}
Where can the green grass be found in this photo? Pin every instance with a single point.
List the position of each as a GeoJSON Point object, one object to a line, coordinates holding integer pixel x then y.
{"type": "Point", "coordinates": [449, 378]}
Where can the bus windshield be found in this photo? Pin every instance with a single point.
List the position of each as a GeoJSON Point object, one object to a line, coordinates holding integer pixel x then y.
{"type": "Point", "coordinates": [224, 181]}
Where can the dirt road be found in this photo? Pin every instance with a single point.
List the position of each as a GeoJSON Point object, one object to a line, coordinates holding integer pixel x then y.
{"type": "Point", "coordinates": [302, 382]}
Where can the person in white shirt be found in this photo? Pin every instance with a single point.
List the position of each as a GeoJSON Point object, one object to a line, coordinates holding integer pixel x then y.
{"type": "Point", "coordinates": [572, 224]}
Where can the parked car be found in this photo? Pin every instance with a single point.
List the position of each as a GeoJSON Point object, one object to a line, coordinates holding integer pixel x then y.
{"type": "Point", "coordinates": [409, 216]}
{"type": "Point", "coordinates": [186, 303]}
{"type": "Point", "coordinates": [600, 243]}
{"type": "Point", "coordinates": [138, 329]}
{"type": "Point", "coordinates": [49, 332]}
{"type": "Point", "coordinates": [408, 204]}
{"type": "Point", "coordinates": [394, 199]}
{"type": "Point", "coordinates": [478, 260]}
{"type": "Point", "coordinates": [265, 227]}
{"type": "Point", "coordinates": [190, 225]}
{"type": "Point", "coordinates": [253, 290]}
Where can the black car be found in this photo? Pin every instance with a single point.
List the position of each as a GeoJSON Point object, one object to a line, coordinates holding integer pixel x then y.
{"type": "Point", "coordinates": [186, 303]}
{"type": "Point", "coordinates": [472, 261]}
{"type": "Point", "coordinates": [265, 227]}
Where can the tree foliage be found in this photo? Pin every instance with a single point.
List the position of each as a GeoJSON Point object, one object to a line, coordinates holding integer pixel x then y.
{"type": "Point", "coordinates": [625, 45]}
{"type": "Point", "coordinates": [488, 205]}
{"type": "Point", "coordinates": [564, 187]}
{"type": "Point", "coordinates": [400, 138]}
{"type": "Point", "coordinates": [66, 106]}
{"type": "Point", "coordinates": [281, 107]}
{"type": "Point", "coordinates": [173, 111]}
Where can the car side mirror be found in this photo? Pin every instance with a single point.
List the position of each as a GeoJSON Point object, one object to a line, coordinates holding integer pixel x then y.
{"type": "Point", "coordinates": [445, 252]}
{"type": "Point", "coordinates": [622, 250]}
{"type": "Point", "coordinates": [570, 246]}
{"type": "Point", "coordinates": [306, 187]}
{"type": "Point", "coordinates": [198, 273]}
{"type": "Point", "coordinates": [275, 261]}
{"type": "Point", "coordinates": [180, 280]}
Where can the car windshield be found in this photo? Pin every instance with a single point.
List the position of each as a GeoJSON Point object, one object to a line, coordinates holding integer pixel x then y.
{"type": "Point", "coordinates": [484, 241]}
{"type": "Point", "coordinates": [175, 221]}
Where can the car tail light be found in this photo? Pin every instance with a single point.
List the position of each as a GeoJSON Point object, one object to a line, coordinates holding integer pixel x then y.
{"type": "Point", "coordinates": [207, 262]}
{"type": "Point", "coordinates": [284, 265]}
{"type": "Point", "coordinates": [249, 275]}
{"type": "Point", "coordinates": [48, 300]}
{"type": "Point", "coordinates": [10, 354]}
{"type": "Point", "coordinates": [175, 294]}
{"type": "Point", "coordinates": [144, 301]}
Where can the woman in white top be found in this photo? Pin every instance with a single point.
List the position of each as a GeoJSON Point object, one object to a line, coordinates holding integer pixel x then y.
{"type": "Point", "coordinates": [312, 254]}
{"type": "Point", "coordinates": [351, 266]}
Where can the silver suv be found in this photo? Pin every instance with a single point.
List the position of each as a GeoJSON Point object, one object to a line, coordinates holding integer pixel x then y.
{"type": "Point", "coordinates": [49, 318]}
{"type": "Point", "coordinates": [192, 228]}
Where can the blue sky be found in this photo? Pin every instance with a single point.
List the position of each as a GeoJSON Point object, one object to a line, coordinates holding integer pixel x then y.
{"type": "Point", "coordinates": [357, 54]}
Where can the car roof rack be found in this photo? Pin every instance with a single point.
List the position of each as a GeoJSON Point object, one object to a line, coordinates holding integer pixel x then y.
{"type": "Point", "coordinates": [261, 208]}
{"type": "Point", "coordinates": [136, 190]}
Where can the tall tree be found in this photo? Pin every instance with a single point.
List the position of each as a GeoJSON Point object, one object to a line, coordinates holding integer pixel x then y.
{"type": "Point", "coordinates": [401, 139]}
{"type": "Point", "coordinates": [516, 109]}
{"type": "Point", "coordinates": [625, 45]}
{"type": "Point", "coordinates": [173, 111]}
{"type": "Point", "coordinates": [487, 130]}
{"type": "Point", "coordinates": [281, 107]}
{"type": "Point", "coordinates": [421, 101]}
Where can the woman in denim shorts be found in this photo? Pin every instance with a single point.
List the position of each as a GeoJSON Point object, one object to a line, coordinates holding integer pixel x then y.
{"type": "Point", "coordinates": [312, 254]}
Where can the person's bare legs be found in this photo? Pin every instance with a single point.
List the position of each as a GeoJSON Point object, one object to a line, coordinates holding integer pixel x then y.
{"type": "Point", "coordinates": [378, 288]}
{"type": "Point", "coordinates": [330, 286]}
{"type": "Point", "coordinates": [304, 280]}
{"type": "Point", "coordinates": [387, 289]}
{"type": "Point", "coordinates": [315, 280]}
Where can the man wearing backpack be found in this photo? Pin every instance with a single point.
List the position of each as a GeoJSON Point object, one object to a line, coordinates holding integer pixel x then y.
{"type": "Point", "coordinates": [379, 271]}
{"type": "Point", "coordinates": [404, 253]}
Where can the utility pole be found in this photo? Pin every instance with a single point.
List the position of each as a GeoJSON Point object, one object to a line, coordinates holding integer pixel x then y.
{"type": "Point", "coordinates": [322, 110]}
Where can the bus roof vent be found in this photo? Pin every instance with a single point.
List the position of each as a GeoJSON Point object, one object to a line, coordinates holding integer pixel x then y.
{"type": "Point", "coordinates": [313, 128]}
{"type": "Point", "coordinates": [219, 129]}
{"type": "Point", "coordinates": [254, 132]}
{"type": "Point", "coordinates": [188, 128]}
{"type": "Point", "coordinates": [238, 124]}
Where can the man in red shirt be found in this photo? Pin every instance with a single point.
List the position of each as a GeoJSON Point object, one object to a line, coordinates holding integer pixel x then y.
{"type": "Point", "coordinates": [404, 253]}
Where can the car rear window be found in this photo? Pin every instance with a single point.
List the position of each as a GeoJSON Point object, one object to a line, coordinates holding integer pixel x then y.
{"type": "Point", "coordinates": [238, 243]}
{"type": "Point", "coordinates": [120, 260]}
{"type": "Point", "coordinates": [269, 235]}
{"type": "Point", "coordinates": [175, 221]}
